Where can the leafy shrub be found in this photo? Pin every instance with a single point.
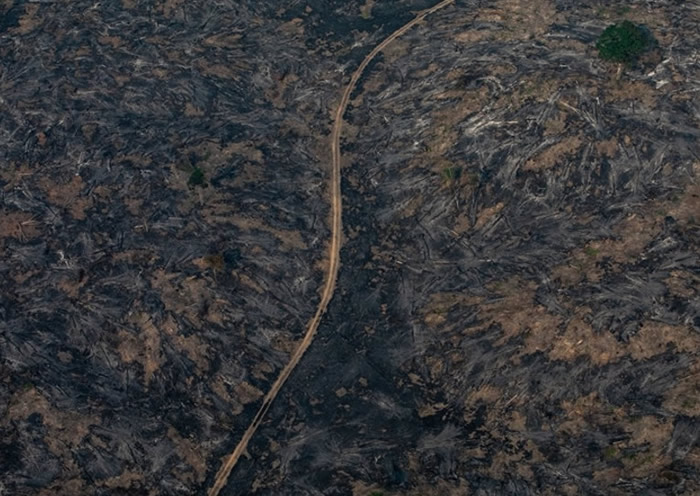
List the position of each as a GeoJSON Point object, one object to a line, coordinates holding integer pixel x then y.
{"type": "Point", "coordinates": [623, 42]}
{"type": "Point", "coordinates": [197, 178]}
{"type": "Point", "coordinates": [451, 174]}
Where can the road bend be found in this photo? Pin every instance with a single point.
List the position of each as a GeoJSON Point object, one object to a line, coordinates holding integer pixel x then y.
{"type": "Point", "coordinates": [334, 253]}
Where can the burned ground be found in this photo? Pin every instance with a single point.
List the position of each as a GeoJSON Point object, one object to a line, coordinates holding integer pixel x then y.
{"type": "Point", "coordinates": [517, 310]}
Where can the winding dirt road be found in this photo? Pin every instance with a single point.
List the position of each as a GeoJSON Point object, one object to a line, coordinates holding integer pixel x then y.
{"type": "Point", "coordinates": [334, 254]}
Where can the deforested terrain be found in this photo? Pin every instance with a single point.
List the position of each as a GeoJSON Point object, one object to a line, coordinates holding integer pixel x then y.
{"type": "Point", "coordinates": [517, 310]}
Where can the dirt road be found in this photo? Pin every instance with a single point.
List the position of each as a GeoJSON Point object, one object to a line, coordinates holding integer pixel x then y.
{"type": "Point", "coordinates": [334, 254]}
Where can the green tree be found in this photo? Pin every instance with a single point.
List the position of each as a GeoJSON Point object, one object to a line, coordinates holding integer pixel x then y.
{"type": "Point", "coordinates": [197, 178]}
{"type": "Point", "coordinates": [623, 42]}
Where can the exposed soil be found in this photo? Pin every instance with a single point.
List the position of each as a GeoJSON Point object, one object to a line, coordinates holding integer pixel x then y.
{"type": "Point", "coordinates": [517, 309]}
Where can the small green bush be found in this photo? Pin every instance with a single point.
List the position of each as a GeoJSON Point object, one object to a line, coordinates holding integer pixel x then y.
{"type": "Point", "coordinates": [451, 174]}
{"type": "Point", "coordinates": [623, 42]}
{"type": "Point", "coordinates": [591, 252]}
{"type": "Point", "coordinates": [610, 452]}
{"type": "Point", "coordinates": [197, 178]}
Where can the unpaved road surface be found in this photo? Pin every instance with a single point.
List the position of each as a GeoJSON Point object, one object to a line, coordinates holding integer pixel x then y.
{"type": "Point", "coordinates": [333, 255]}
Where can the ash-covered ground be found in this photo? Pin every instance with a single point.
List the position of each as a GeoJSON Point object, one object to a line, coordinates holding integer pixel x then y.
{"type": "Point", "coordinates": [517, 311]}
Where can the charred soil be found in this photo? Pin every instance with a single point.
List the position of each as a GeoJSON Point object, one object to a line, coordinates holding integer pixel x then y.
{"type": "Point", "coordinates": [517, 310]}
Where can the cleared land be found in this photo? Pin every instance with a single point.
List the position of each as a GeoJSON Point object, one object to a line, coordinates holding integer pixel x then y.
{"type": "Point", "coordinates": [517, 309]}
